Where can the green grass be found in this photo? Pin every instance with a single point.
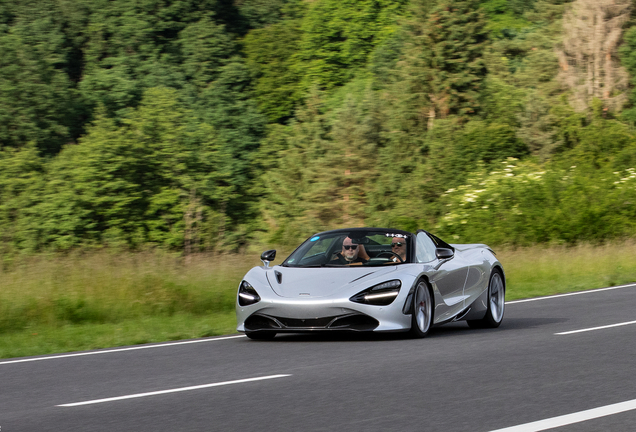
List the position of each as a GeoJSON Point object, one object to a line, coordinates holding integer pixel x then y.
{"type": "Point", "coordinates": [43, 339]}
{"type": "Point", "coordinates": [540, 270]}
{"type": "Point", "coordinates": [54, 303]}
{"type": "Point", "coordinates": [66, 303]}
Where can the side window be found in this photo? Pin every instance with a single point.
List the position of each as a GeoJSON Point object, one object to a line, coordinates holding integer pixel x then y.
{"type": "Point", "coordinates": [424, 248]}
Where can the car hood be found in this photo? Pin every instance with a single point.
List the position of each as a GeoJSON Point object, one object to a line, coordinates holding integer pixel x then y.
{"type": "Point", "coordinates": [322, 282]}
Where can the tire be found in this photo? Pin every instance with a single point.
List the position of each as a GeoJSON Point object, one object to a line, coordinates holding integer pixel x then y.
{"type": "Point", "coordinates": [496, 303]}
{"type": "Point", "coordinates": [261, 335]}
{"type": "Point", "coordinates": [421, 311]}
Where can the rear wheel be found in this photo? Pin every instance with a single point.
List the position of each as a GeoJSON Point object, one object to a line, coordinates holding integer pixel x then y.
{"type": "Point", "coordinates": [421, 311]}
{"type": "Point", "coordinates": [261, 335]}
{"type": "Point", "coordinates": [496, 303]}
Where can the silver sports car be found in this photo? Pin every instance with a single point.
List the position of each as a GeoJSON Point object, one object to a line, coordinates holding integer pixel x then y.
{"type": "Point", "coordinates": [372, 279]}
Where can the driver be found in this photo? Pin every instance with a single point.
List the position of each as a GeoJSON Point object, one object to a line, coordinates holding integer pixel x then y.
{"type": "Point", "coordinates": [398, 246]}
{"type": "Point", "coordinates": [351, 253]}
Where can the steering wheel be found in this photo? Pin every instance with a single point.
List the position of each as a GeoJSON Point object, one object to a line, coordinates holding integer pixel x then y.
{"type": "Point", "coordinates": [391, 254]}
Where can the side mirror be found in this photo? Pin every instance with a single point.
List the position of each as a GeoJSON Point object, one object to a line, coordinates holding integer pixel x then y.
{"type": "Point", "coordinates": [444, 253]}
{"type": "Point", "coordinates": [268, 256]}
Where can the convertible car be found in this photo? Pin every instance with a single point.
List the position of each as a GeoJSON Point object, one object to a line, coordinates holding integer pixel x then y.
{"type": "Point", "coordinates": [372, 279]}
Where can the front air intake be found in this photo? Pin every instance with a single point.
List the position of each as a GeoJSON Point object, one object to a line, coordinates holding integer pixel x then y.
{"type": "Point", "coordinates": [261, 322]}
{"type": "Point", "coordinates": [350, 322]}
{"type": "Point", "coordinates": [356, 322]}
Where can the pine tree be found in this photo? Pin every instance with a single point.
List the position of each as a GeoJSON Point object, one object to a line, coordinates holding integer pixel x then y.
{"type": "Point", "coordinates": [326, 171]}
{"type": "Point", "coordinates": [350, 166]}
{"type": "Point", "coordinates": [289, 183]}
{"type": "Point", "coordinates": [455, 37]}
{"type": "Point", "coordinates": [404, 112]}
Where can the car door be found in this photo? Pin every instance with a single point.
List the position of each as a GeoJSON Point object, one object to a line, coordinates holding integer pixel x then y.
{"type": "Point", "coordinates": [477, 277]}
{"type": "Point", "coordinates": [448, 280]}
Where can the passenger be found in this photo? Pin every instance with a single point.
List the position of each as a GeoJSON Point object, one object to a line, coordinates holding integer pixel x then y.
{"type": "Point", "coordinates": [351, 254]}
{"type": "Point", "coordinates": [398, 246]}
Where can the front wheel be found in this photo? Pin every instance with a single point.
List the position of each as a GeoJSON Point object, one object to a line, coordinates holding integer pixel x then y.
{"type": "Point", "coordinates": [422, 311]}
{"type": "Point", "coordinates": [496, 303]}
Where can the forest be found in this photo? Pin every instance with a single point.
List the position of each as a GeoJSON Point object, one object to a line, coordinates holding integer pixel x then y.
{"type": "Point", "coordinates": [210, 125]}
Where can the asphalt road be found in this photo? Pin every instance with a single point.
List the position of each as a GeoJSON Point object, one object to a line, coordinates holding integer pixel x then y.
{"type": "Point", "coordinates": [457, 379]}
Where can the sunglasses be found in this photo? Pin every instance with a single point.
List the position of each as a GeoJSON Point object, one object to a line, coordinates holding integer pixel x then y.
{"type": "Point", "coordinates": [350, 247]}
{"type": "Point", "coordinates": [397, 244]}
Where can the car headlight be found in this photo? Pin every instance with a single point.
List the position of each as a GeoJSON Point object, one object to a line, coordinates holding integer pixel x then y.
{"type": "Point", "coordinates": [247, 295]}
{"type": "Point", "coordinates": [379, 295]}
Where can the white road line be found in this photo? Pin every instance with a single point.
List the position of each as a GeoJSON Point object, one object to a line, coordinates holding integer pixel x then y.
{"type": "Point", "coordinates": [570, 294]}
{"type": "Point", "coordinates": [197, 387]}
{"type": "Point", "coordinates": [596, 328]}
{"type": "Point", "coordinates": [569, 419]}
{"type": "Point", "coordinates": [32, 359]}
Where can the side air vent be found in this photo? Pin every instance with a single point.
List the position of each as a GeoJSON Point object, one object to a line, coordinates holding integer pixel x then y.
{"type": "Point", "coordinates": [279, 276]}
{"type": "Point", "coordinates": [461, 315]}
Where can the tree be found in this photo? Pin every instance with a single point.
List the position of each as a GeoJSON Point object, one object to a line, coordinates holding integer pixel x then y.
{"type": "Point", "coordinates": [227, 105]}
{"type": "Point", "coordinates": [628, 59]}
{"type": "Point", "coordinates": [205, 47]}
{"type": "Point", "coordinates": [339, 35]}
{"type": "Point", "coordinates": [271, 54]}
{"type": "Point", "coordinates": [324, 174]}
{"type": "Point", "coordinates": [403, 115]}
{"type": "Point", "coordinates": [505, 17]}
{"type": "Point", "coordinates": [38, 102]}
{"type": "Point", "coordinates": [285, 206]}
{"type": "Point", "coordinates": [351, 164]}
{"type": "Point", "coordinates": [521, 86]}
{"type": "Point", "coordinates": [455, 38]}
{"type": "Point", "coordinates": [153, 179]}
{"type": "Point", "coordinates": [261, 13]}
{"type": "Point", "coordinates": [133, 46]}
{"type": "Point", "coordinates": [588, 58]}
{"type": "Point", "coordinates": [22, 178]}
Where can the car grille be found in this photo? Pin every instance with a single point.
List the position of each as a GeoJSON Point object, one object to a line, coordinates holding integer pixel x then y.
{"type": "Point", "coordinates": [305, 323]}
{"type": "Point", "coordinates": [354, 321]}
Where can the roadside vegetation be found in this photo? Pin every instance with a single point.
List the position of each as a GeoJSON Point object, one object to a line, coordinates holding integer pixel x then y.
{"type": "Point", "coordinates": [98, 299]}
{"type": "Point", "coordinates": [145, 144]}
{"type": "Point", "coordinates": [206, 126]}
{"type": "Point", "coordinates": [545, 270]}
{"type": "Point", "coordinates": [55, 303]}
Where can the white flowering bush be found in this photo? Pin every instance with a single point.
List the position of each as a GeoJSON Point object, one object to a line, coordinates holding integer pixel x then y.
{"type": "Point", "coordinates": [524, 202]}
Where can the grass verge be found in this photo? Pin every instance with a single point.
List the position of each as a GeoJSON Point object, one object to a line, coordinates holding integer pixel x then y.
{"type": "Point", "coordinates": [43, 339]}
{"type": "Point", "coordinates": [540, 270]}
{"type": "Point", "coordinates": [52, 304]}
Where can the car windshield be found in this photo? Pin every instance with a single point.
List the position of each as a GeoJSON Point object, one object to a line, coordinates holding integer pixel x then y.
{"type": "Point", "coordinates": [352, 248]}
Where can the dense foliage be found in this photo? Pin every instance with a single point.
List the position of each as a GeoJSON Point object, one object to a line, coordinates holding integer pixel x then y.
{"type": "Point", "coordinates": [207, 124]}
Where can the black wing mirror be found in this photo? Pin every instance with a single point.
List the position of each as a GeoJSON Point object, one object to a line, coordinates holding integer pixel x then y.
{"type": "Point", "coordinates": [444, 253]}
{"type": "Point", "coordinates": [268, 256]}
